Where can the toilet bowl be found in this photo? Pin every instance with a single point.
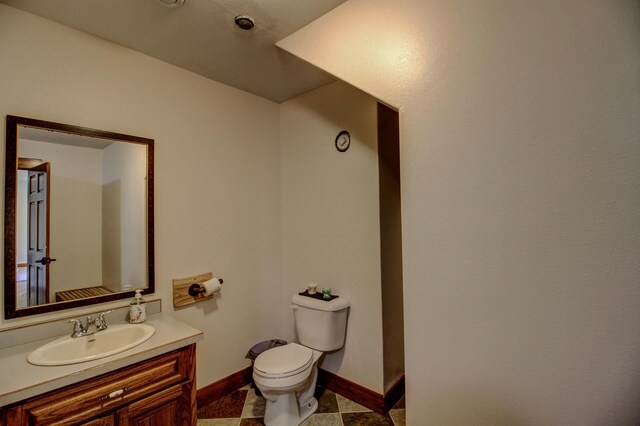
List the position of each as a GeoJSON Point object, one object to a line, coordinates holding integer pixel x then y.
{"type": "Point", "coordinates": [287, 376]}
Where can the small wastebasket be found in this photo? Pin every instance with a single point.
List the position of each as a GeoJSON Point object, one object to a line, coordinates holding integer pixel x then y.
{"type": "Point", "coordinates": [258, 348]}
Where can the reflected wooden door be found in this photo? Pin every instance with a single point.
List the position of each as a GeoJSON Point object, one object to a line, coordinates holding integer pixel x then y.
{"type": "Point", "coordinates": [38, 235]}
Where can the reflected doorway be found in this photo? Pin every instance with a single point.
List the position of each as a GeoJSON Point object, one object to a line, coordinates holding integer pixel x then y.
{"type": "Point", "coordinates": [32, 249]}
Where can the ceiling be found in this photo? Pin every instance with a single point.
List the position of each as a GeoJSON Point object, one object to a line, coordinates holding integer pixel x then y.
{"type": "Point", "coordinates": [62, 138]}
{"type": "Point", "coordinates": [201, 36]}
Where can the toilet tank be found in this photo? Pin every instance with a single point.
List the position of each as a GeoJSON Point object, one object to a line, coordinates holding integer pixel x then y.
{"type": "Point", "coordinates": [320, 324]}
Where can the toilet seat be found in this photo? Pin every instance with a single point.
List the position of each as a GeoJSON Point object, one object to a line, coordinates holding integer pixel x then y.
{"type": "Point", "coordinates": [284, 361]}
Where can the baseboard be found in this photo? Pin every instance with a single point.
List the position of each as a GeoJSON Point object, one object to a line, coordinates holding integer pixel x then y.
{"type": "Point", "coordinates": [373, 400]}
{"type": "Point", "coordinates": [223, 387]}
{"type": "Point", "coordinates": [394, 393]}
{"type": "Point", "coordinates": [355, 392]}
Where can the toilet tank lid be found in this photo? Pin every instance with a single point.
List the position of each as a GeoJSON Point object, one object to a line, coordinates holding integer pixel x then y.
{"type": "Point", "coordinates": [337, 304]}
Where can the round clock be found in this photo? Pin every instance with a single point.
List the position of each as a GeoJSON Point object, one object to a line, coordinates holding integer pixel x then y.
{"type": "Point", "coordinates": [343, 141]}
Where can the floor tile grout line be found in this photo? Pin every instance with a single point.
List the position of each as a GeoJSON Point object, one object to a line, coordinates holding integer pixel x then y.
{"type": "Point", "coordinates": [246, 397]}
{"type": "Point", "coordinates": [335, 396]}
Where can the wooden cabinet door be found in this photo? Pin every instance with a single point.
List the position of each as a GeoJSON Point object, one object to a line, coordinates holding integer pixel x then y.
{"type": "Point", "coordinates": [160, 409]}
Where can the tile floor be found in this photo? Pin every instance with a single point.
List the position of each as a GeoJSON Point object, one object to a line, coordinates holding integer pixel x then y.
{"type": "Point", "coordinates": [244, 408]}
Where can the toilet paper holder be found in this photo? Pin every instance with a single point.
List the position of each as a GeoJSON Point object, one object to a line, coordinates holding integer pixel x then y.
{"type": "Point", "coordinates": [197, 289]}
{"type": "Point", "coordinates": [191, 289]}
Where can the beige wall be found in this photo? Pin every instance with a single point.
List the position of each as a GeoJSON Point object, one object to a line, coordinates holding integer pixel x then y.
{"type": "Point", "coordinates": [124, 207]}
{"type": "Point", "coordinates": [22, 226]}
{"type": "Point", "coordinates": [520, 124]}
{"type": "Point", "coordinates": [330, 218]}
{"type": "Point", "coordinates": [216, 161]}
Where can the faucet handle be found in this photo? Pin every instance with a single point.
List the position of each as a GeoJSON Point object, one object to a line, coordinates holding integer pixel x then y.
{"type": "Point", "coordinates": [78, 329]}
{"type": "Point", "coordinates": [75, 321]}
{"type": "Point", "coordinates": [101, 322]}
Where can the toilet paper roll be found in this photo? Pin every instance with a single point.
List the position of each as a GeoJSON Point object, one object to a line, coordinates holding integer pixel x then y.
{"type": "Point", "coordinates": [212, 286]}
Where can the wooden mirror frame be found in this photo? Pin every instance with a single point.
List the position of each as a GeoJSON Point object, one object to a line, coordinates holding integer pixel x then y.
{"type": "Point", "coordinates": [10, 207]}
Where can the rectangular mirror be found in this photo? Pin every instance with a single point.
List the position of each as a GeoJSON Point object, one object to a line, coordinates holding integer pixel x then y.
{"type": "Point", "coordinates": [78, 216]}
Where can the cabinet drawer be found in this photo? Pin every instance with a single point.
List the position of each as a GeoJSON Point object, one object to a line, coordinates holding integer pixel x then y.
{"type": "Point", "coordinates": [106, 393]}
{"type": "Point", "coordinates": [162, 408]}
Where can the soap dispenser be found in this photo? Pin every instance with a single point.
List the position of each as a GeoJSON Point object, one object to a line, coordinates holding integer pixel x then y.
{"type": "Point", "coordinates": [138, 309]}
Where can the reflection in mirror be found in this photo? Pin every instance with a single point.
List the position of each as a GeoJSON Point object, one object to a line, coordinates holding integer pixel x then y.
{"type": "Point", "coordinates": [79, 214]}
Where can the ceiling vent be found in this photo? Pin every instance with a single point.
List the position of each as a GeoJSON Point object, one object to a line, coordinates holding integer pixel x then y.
{"type": "Point", "coordinates": [245, 22]}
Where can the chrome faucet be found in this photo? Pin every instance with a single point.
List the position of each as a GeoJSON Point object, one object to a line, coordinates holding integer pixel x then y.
{"type": "Point", "coordinates": [98, 322]}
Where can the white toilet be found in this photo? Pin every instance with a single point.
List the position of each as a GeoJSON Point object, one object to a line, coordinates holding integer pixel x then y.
{"type": "Point", "coordinates": [286, 375]}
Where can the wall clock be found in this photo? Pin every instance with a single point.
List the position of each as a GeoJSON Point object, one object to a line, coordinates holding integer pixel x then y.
{"type": "Point", "coordinates": [343, 141]}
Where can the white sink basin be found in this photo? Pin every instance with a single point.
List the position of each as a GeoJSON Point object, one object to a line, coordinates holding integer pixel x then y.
{"type": "Point", "coordinates": [68, 350]}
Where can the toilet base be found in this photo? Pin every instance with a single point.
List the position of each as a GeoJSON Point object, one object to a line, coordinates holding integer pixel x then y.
{"type": "Point", "coordinates": [308, 409]}
{"type": "Point", "coordinates": [285, 411]}
{"type": "Point", "coordinates": [290, 403]}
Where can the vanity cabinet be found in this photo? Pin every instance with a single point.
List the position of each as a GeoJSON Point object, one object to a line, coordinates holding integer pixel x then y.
{"type": "Point", "coordinates": [159, 391]}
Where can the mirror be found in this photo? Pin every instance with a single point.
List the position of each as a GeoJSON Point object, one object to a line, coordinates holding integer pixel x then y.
{"type": "Point", "coordinates": [78, 216]}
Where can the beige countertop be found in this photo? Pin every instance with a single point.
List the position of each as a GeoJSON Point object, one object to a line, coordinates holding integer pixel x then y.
{"type": "Point", "coordinates": [21, 380]}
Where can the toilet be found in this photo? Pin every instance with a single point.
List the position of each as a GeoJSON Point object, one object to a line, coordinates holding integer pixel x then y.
{"type": "Point", "coordinates": [286, 375]}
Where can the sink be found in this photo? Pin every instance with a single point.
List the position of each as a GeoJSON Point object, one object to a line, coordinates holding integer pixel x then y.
{"type": "Point", "coordinates": [68, 350]}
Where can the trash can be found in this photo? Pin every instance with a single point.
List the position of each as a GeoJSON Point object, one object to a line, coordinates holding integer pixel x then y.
{"type": "Point", "coordinates": [258, 348]}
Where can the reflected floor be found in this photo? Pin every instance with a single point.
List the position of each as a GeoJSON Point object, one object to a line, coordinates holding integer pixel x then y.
{"type": "Point", "coordinates": [21, 294]}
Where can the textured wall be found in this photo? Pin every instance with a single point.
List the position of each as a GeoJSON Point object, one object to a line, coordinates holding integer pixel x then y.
{"type": "Point", "coordinates": [520, 124]}
{"type": "Point", "coordinates": [330, 218]}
